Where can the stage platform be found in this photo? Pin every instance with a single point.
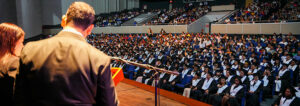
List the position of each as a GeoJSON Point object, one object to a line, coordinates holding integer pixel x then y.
{"type": "Point", "coordinates": [132, 93]}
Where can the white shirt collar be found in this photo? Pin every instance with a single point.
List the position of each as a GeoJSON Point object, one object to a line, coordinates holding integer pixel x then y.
{"type": "Point", "coordinates": [73, 31]}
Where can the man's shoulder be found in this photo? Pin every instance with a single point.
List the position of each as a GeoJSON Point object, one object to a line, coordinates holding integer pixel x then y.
{"type": "Point", "coordinates": [33, 45]}
{"type": "Point", "coordinates": [97, 54]}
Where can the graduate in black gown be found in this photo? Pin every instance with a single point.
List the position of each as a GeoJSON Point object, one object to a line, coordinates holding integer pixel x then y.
{"type": "Point", "coordinates": [169, 83]}
{"type": "Point", "coordinates": [163, 77]}
{"type": "Point", "coordinates": [295, 69]}
{"type": "Point", "coordinates": [192, 86]}
{"type": "Point", "coordinates": [244, 78]}
{"type": "Point", "coordinates": [283, 79]}
{"type": "Point", "coordinates": [216, 99]}
{"type": "Point", "coordinates": [268, 83]}
{"type": "Point", "coordinates": [254, 88]}
{"type": "Point", "coordinates": [235, 94]}
{"type": "Point", "coordinates": [206, 87]}
{"type": "Point", "coordinates": [288, 98]}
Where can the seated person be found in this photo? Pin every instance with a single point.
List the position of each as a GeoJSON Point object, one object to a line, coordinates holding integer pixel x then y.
{"type": "Point", "coordinates": [207, 86]}
{"type": "Point", "coordinates": [192, 86]}
{"type": "Point", "coordinates": [234, 96]}
{"type": "Point", "coordinates": [229, 77]}
{"type": "Point", "coordinates": [169, 83]}
{"type": "Point", "coordinates": [283, 79]}
{"type": "Point", "coordinates": [215, 99]}
{"type": "Point", "coordinates": [268, 83]}
{"type": "Point", "coordinates": [163, 76]}
{"type": "Point", "coordinates": [288, 98]}
{"type": "Point", "coordinates": [254, 89]}
{"type": "Point", "coordinates": [244, 78]}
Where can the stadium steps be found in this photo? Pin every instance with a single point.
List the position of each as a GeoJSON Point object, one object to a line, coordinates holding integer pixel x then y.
{"type": "Point", "coordinates": [140, 20]}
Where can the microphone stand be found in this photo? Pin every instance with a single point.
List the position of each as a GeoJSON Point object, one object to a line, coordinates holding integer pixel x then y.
{"type": "Point", "coordinates": [155, 76]}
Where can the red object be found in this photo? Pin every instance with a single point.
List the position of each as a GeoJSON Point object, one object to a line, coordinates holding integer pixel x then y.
{"type": "Point", "coordinates": [117, 75]}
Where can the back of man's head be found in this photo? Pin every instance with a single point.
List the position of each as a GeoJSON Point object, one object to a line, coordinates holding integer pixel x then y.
{"type": "Point", "coordinates": [81, 14]}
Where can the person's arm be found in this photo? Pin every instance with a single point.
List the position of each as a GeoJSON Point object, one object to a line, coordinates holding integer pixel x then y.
{"type": "Point", "coordinates": [106, 95]}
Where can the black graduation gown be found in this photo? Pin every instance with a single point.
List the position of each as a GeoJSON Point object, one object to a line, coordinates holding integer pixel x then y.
{"type": "Point", "coordinates": [216, 99]}
{"type": "Point", "coordinates": [147, 75]}
{"type": "Point", "coordinates": [232, 79]}
{"type": "Point", "coordinates": [236, 101]}
{"type": "Point", "coordinates": [285, 81]}
{"type": "Point", "coordinates": [267, 90]}
{"type": "Point", "coordinates": [199, 94]}
{"type": "Point", "coordinates": [253, 98]}
{"type": "Point", "coordinates": [246, 81]}
{"type": "Point", "coordinates": [165, 77]}
{"type": "Point", "coordinates": [168, 85]}
{"type": "Point", "coordinates": [296, 76]}
{"type": "Point", "coordinates": [295, 102]}
{"type": "Point", "coordinates": [190, 85]}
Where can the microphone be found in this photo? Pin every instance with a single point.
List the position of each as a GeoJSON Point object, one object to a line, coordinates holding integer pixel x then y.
{"type": "Point", "coordinates": [147, 66]}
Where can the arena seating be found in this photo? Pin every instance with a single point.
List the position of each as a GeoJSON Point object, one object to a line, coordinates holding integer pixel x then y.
{"type": "Point", "coordinates": [225, 56]}
{"type": "Point", "coordinates": [268, 11]}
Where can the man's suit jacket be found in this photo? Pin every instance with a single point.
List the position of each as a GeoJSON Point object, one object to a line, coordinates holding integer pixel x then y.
{"type": "Point", "coordinates": [64, 70]}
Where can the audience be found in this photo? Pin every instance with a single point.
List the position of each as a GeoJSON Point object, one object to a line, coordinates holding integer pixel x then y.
{"type": "Point", "coordinates": [175, 16]}
{"type": "Point", "coordinates": [116, 19]}
{"type": "Point", "coordinates": [267, 11]}
{"type": "Point", "coordinates": [248, 64]}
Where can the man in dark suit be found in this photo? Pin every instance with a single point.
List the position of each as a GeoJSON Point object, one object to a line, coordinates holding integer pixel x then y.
{"type": "Point", "coordinates": [65, 69]}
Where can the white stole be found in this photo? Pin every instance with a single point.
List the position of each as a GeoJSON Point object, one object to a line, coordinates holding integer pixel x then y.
{"type": "Point", "coordinates": [137, 68]}
{"type": "Point", "coordinates": [281, 73]}
{"type": "Point", "coordinates": [243, 79]}
{"type": "Point", "coordinates": [150, 60]}
{"type": "Point", "coordinates": [278, 85]}
{"type": "Point", "coordinates": [220, 90]}
{"type": "Point", "coordinates": [234, 67]}
{"type": "Point", "coordinates": [193, 73]}
{"type": "Point", "coordinates": [237, 73]}
{"type": "Point", "coordinates": [161, 75]}
{"type": "Point", "coordinates": [286, 102]}
{"type": "Point", "coordinates": [229, 78]}
{"type": "Point", "coordinates": [297, 92]}
{"type": "Point", "coordinates": [184, 72]}
{"type": "Point", "coordinates": [207, 83]}
{"type": "Point", "coordinates": [146, 71]}
{"type": "Point", "coordinates": [266, 81]}
{"type": "Point", "coordinates": [144, 60]}
{"type": "Point", "coordinates": [195, 82]}
{"type": "Point", "coordinates": [253, 87]}
{"type": "Point", "coordinates": [203, 75]}
{"type": "Point", "coordinates": [234, 91]}
{"type": "Point", "coordinates": [293, 68]}
{"type": "Point", "coordinates": [160, 57]}
{"type": "Point", "coordinates": [172, 77]}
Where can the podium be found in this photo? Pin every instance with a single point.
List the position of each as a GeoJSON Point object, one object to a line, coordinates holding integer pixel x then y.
{"type": "Point", "coordinates": [117, 75]}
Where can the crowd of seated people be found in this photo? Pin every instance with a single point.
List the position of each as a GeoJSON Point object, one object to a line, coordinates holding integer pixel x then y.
{"type": "Point", "coordinates": [291, 11]}
{"type": "Point", "coordinates": [191, 15]}
{"type": "Point", "coordinates": [213, 68]}
{"type": "Point", "coordinates": [183, 15]}
{"type": "Point", "coordinates": [258, 11]}
{"type": "Point", "coordinates": [116, 19]}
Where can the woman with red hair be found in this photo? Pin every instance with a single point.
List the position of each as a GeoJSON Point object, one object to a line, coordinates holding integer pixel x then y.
{"type": "Point", "coordinates": [11, 44]}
